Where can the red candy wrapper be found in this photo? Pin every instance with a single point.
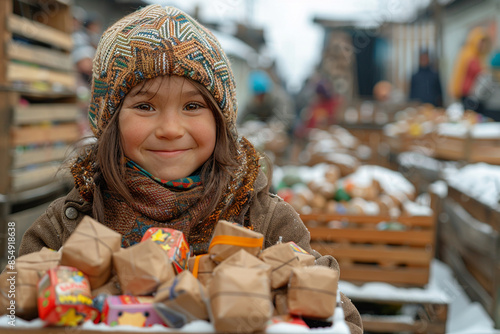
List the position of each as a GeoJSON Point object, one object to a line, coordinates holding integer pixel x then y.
{"type": "Point", "coordinates": [173, 242]}
{"type": "Point", "coordinates": [64, 297]}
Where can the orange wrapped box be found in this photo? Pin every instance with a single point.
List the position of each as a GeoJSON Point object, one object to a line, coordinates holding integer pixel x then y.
{"type": "Point", "coordinates": [173, 242]}
{"type": "Point", "coordinates": [64, 297]}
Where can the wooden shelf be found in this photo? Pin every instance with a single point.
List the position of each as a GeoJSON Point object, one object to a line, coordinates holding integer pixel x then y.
{"type": "Point", "coordinates": [39, 32]}
{"type": "Point", "coordinates": [41, 56]}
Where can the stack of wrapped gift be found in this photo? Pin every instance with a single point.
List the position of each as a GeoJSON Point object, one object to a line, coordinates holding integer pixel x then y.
{"type": "Point", "coordinates": [237, 286]}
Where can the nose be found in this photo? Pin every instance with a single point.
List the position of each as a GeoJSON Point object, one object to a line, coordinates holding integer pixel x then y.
{"type": "Point", "coordinates": [170, 126]}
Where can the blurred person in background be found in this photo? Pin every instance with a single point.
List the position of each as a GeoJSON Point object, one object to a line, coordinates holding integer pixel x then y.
{"type": "Point", "coordinates": [385, 92]}
{"type": "Point", "coordinates": [425, 85]}
{"type": "Point", "coordinates": [262, 105]}
{"type": "Point", "coordinates": [469, 64]}
{"type": "Point", "coordinates": [486, 92]}
{"type": "Point", "coordinates": [321, 111]}
{"type": "Point", "coordinates": [86, 34]}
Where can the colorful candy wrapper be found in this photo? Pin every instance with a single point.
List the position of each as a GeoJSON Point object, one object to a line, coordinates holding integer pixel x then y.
{"type": "Point", "coordinates": [130, 310]}
{"type": "Point", "coordinates": [64, 297]}
{"type": "Point", "coordinates": [174, 243]}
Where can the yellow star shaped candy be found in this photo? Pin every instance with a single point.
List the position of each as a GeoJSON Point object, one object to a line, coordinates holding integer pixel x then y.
{"type": "Point", "coordinates": [70, 318]}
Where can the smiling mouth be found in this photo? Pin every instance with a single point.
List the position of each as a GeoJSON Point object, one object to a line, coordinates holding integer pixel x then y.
{"type": "Point", "coordinates": [169, 153]}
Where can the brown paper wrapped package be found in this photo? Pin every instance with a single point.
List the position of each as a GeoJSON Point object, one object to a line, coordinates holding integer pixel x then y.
{"type": "Point", "coordinates": [312, 292]}
{"type": "Point", "coordinates": [305, 259]}
{"type": "Point", "coordinates": [240, 299]}
{"type": "Point", "coordinates": [142, 267]}
{"type": "Point", "coordinates": [203, 270]}
{"type": "Point", "coordinates": [282, 259]}
{"type": "Point", "coordinates": [29, 268]}
{"type": "Point", "coordinates": [245, 260]}
{"type": "Point", "coordinates": [111, 287]}
{"type": "Point", "coordinates": [190, 298]}
{"type": "Point", "coordinates": [228, 238]}
{"type": "Point", "coordinates": [90, 248]}
{"type": "Point", "coordinates": [280, 301]}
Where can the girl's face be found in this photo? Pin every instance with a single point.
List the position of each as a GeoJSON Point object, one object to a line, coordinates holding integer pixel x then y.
{"type": "Point", "coordinates": [167, 128]}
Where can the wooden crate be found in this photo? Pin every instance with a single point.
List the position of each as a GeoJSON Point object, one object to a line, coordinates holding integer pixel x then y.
{"type": "Point", "coordinates": [365, 253]}
{"type": "Point", "coordinates": [399, 315]}
{"type": "Point", "coordinates": [39, 115]}
{"type": "Point", "coordinates": [471, 248]}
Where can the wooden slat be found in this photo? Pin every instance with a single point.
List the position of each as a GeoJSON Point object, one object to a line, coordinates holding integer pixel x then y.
{"type": "Point", "coordinates": [25, 73]}
{"type": "Point", "coordinates": [367, 273]}
{"type": "Point", "coordinates": [397, 255]}
{"type": "Point", "coordinates": [476, 209]}
{"type": "Point", "coordinates": [45, 112]}
{"type": "Point", "coordinates": [44, 134]}
{"type": "Point", "coordinates": [37, 156]}
{"type": "Point", "coordinates": [421, 221]}
{"type": "Point", "coordinates": [472, 233]}
{"type": "Point", "coordinates": [485, 150]}
{"type": "Point", "coordinates": [414, 238]}
{"type": "Point", "coordinates": [373, 325]}
{"type": "Point", "coordinates": [31, 178]}
{"type": "Point", "coordinates": [39, 32]}
{"type": "Point", "coordinates": [5, 8]}
{"type": "Point", "coordinates": [39, 55]}
{"type": "Point", "coordinates": [451, 148]}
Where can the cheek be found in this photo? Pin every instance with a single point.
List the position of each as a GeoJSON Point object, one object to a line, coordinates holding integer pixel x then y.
{"type": "Point", "coordinates": [130, 134]}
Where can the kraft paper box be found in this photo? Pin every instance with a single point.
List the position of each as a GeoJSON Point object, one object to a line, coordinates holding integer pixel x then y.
{"type": "Point", "coordinates": [243, 259]}
{"type": "Point", "coordinates": [312, 292]}
{"type": "Point", "coordinates": [280, 301]}
{"type": "Point", "coordinates": [228, 238]}
{"type": "Point", "coordinates": [305, 258]}
{"type": "Point", "coordinates": [282, 259]}
{"type": "Point", "coordinates": [202, 266]}
{"type": "Point", "coordinates": [64, 297]}
{"type": "Point", "coordinates": [22, 279]}
{"type": "Point", "coordinates": [184, 295]}
{"type": "Point", "coordinates": [130, 310]}
{"type": "Point", "coordinates": [111, 287]}
{"type": "Point", "coordinates": [174, 243]}
{"type": "Point", "coordinates": [240, 299]}
{"type": "Point", "coordinates": [141, 268]}
{"type": "Point", "coordinates": [90, 248]}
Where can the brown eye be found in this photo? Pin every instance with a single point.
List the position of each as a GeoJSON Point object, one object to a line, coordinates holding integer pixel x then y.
{"type": "Point", "coordinates": [144, 107]}
{"type": "Point", "coordinates": [193, 106]}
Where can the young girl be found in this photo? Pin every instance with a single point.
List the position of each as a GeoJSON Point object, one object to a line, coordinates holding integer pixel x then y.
{"type": "Point", "coordinates": [163, 110]}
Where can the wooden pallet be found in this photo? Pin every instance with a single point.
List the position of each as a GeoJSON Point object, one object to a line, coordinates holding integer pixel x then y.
{"type": "Point", "coordinates": [365, 254]}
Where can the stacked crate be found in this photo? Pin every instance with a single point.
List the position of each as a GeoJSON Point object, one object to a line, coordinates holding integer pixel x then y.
{"type": "Point", "coordinates": [38, 109]}
{"type": "Point", "coordinates": [39, 115]}
{"type": "Point", "coordinates": [400, 256]}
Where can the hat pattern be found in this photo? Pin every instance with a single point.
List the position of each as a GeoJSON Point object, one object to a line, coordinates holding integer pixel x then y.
{"type": "Point", "coordinates": [152, 42]}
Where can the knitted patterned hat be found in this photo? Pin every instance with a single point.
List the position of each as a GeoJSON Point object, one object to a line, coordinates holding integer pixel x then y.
{"type": "Point", "coordinates": [152, 42]}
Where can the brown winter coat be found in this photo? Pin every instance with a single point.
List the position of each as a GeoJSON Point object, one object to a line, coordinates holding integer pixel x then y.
{"type": "Point", "coordinates": [269, 214]}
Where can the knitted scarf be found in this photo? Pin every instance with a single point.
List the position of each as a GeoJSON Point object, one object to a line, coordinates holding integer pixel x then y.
{"type": "Point", "coordinates": [159, 204]}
